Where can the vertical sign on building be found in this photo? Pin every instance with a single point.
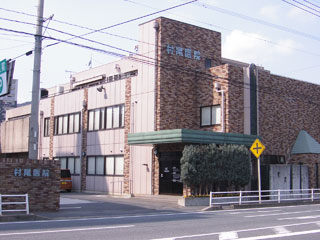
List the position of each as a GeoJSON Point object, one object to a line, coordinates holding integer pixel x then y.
{"type": "Point", "coordinates": [3, 78]}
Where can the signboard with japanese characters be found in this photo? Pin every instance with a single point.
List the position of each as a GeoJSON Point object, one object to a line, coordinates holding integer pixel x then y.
{"type": "Point", "coordinates": [183, 52]}
{"type": "Point", "coordinates": [28, 172]}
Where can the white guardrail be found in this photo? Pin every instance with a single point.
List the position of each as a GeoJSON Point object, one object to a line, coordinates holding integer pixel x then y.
{"type": "Point", "coordinates": [8, 196]}
{"type": "Point", "coordinates": [276, 196]}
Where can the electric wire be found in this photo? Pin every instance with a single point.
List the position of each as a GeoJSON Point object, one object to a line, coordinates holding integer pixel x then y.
{"type": "Point", "coordinates": [176, 67]}
{"type": "Point", "coordinates": [311, 3]}
{"type": "Point", "coordinates": [255, 20]}
{"type": "Point", "coordinates": [303, 9]}
{"type": "Point", "coordinates": [311, 8]}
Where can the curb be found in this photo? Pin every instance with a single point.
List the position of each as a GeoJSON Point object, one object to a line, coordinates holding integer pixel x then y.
{"type": "Point", "coordinates": [20, 217]}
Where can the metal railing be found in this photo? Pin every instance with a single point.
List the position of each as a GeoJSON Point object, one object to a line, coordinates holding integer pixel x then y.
{"type": "Point", "coordinates": [26, 203]}
{"type": "Point", "coordinates": [267, 196]}
{"type": "Point", "coordinates": [119, 183]}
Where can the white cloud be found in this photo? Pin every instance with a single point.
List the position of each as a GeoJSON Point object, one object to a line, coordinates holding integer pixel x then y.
{"type": "Point", "coordinates": [271, 12]}
{"type": "Point", "coordinates": [255, 48]}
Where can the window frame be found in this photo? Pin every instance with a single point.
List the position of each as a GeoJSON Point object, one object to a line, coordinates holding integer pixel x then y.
{"type": "Point", "coordinates": [105, 118]}
{"type": "Point", "coordinates": [105, 165]}
{"type": "Point", "coordinates": [46, 126]}
{"type": "Point", "coordinates": [68, 162]}
{"type": "Point", "coordinates": [59, 122]}
{"type": "Point", "coordinates": [211, 119]}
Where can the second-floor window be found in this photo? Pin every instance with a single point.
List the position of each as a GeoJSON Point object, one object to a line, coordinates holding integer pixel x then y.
{"type": "Point", "coordinates": [106, 118]}
{"type": "Point", "coordinates": [67, 124]}
{"type": "Point", "coordinates": [210, 115]}
{"type": "Point", "coordinates": [46, 131]}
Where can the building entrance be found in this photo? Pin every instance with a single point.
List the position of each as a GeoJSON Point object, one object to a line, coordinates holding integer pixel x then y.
{"type": "Point", "coordinates": [170, 175]}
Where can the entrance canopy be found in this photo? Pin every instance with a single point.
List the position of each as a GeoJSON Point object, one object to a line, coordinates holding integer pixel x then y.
{"type": "Point", "coordinates": [189, 136]}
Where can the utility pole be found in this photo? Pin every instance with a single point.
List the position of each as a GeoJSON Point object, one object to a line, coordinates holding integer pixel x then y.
{"type": "Point", "coordinates": [33, 125]}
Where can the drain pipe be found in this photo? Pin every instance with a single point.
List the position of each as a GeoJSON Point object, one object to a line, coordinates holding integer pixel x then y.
{"type": "Point", "coordinates": [218, 88]}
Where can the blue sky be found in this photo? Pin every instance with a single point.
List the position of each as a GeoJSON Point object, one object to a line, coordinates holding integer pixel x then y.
{"type": "Point", "coordinates": [250, 33]}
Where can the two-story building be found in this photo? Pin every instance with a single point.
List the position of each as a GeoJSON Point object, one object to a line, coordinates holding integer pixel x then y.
{"type": "Point", "coordinates": [121, 127]}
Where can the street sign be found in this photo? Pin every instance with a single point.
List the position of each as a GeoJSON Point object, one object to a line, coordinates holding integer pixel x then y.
{"type": "Point", "coordinates": [257, 148]}
{"type": "Point", "coordinates": [3, 78]}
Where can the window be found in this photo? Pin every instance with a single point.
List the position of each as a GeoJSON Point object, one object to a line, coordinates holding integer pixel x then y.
{"type": "Point", "coordinates": [208, 63]}
{"type": "Point", "coordinates": [210, 115]}
{"type": "Point", "coordinates": [71, 163]}
{"type": "Point", "coordinates": [119, 162]}
{"type": "Point", "coordinates": [46, 127]}
{"type": "Point", "coordinates": [91, 166]}
{"type": "Point", "coordinates": [110, 165]}
{"type": "Point", "coordinates": [109, 117]}
{"type": "Point", "coordinates": [106, 118]}
{"type": "Point", "coordinates": [105, 165]}
{"type": "Point", "coordinates": [67, 124]}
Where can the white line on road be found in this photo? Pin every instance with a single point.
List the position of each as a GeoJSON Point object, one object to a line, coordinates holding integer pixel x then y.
{"type": "Point", "coordinates": [300, 218]}
{"type": "Point", "coordinates": [239, 231]}
{"type": "Point", "coordinates": [281, 235]}
{"type": "Point", "coordinates": [64, 208]}
{"type": "Point", "coordinates": [64, 230]}
{"type": "Point", "coordinates": [281, 230]}
{"type": "Point", "coordinates": [275, 214]}
{"type": "Point", "coordinates": [228, 235]}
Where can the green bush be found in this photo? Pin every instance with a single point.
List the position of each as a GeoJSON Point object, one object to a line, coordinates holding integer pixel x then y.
{"type": "Point", "coordinates": [210, 167]}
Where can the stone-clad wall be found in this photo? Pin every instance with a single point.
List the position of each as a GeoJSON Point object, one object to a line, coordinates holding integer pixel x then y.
{"type": "Point", "coordinates": [44, 192]}
{"type": "Point", "coordinates": [286, 106]}
{"type": "Point", "coordinates": [180, 77]}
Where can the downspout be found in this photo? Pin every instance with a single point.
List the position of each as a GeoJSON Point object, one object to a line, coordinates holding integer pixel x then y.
{"type": "Point", "coordinates": [219, 89]}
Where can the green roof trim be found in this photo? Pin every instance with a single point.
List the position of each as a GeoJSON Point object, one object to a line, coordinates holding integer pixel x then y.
{"type": "Point", "coordinates": [189, 136]}
{"type": "Point", "coordinates": [305, 144]}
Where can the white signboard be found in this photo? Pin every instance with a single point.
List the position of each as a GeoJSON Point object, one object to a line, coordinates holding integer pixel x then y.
{"type": "Point", "coordinates": [3, 78]}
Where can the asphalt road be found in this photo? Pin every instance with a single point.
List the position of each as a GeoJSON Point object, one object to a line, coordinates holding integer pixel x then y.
{"type": "Point", "coordinates": [290, 222]}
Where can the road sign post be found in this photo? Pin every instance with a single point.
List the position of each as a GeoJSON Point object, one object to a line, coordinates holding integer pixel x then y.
{"type": "Point", "coordinates": [257, 148]}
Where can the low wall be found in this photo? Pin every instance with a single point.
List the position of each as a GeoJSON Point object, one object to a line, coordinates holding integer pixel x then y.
{"type": "Point", "coordinates": [39, 179]}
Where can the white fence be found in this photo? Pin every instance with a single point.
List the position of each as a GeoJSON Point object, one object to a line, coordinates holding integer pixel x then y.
{"type": "Point", "coordinates": [25, 202]}
{"type": "Point", "coordinates": [267, 196]}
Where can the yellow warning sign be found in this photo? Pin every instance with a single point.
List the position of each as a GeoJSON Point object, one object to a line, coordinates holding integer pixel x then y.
{"type": "Point", "coordinates": [257, 148]}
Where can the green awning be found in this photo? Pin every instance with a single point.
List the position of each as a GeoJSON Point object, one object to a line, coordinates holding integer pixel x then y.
{"type": "Point", "coordinates": [305, 144]}
{"type": "Point", "coordinates": [189, 136]}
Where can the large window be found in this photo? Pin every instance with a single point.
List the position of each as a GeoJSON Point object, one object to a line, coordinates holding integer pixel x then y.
{"type": "Point", "coordinates": [105, 165]}
{"type": "Point", "coordinates": [106, 118]}
{"type": "Point", "coordinates": [71, 163]}
{"type": "Point", "coordinates": [210, 115]}
{"type": "Point", "coordinates": [67, 124]}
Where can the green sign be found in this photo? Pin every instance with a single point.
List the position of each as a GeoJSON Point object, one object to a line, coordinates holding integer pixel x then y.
{"type": "Point", "coordinates": [3, 78]}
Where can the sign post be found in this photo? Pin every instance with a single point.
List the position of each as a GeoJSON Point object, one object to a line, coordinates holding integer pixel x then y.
{"type": "Point", "coordinates": [257, 148]}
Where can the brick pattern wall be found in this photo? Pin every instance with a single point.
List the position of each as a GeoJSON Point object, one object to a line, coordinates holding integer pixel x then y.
{"type": "Point", "coordinates": [179, 76]}
{"type": "Point", "coordinates": [44, 192]}
{"type": "Point", "coordinates": [286, 106]}
{"type": "Point", "coordinates": [51, 128]}
{"type": "Point", "coordinates": [84, 126]}
{"type": "Point", "coordinates": [126, 171]}
{"type": "Point", "coordinates": [235, 113]}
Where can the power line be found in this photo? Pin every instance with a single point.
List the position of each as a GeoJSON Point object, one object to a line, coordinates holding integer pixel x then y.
{"type": "Point", "coordinates": [311, 8]}
{"type": "Point", "coordinates": [255, 20]}
{"type": "Point", "coordinates": [181, 69]}
{"type": "Point", "coordinates": [128, 21]}
{"type": "Point", "coordinates": [311, 3]}
{"type": "Point", "coordinates": [303, 9]}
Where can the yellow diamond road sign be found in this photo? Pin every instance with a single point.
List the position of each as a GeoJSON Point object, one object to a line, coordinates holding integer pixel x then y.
{"type": "Point", "coordinates": [257, 148]}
